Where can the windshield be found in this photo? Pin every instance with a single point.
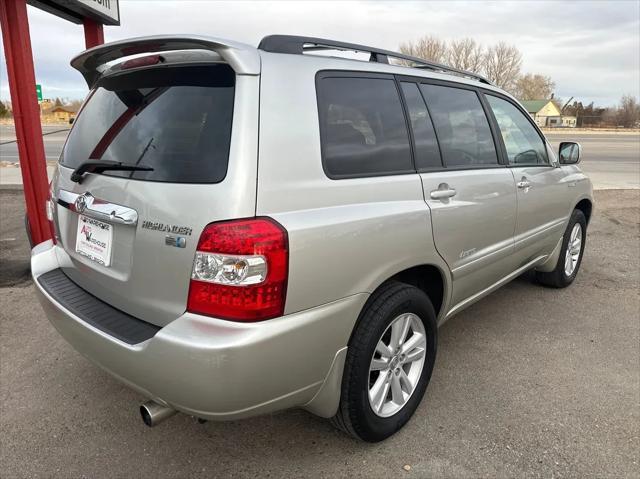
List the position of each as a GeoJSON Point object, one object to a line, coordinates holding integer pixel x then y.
{"type": "Point", "coordinates": [175, 120]}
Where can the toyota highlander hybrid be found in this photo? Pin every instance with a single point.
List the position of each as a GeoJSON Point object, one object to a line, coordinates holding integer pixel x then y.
{"type": "Point", "coordinates": [240, 230]}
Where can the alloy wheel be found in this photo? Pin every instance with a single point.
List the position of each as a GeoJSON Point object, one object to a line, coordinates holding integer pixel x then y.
{"type": "Point", "coordinates": [396, 365]}
{"type": "Point", "coordinates": [574, 248]}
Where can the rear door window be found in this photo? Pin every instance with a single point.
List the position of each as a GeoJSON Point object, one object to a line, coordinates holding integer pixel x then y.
{"type": "Point", "coordinates": [523, 143]}
{"type": "Point", "coordinates": [427, 153]}
{"type": "Point", "coordinates": [174, 120]}
{"type": "Point", "coordinates": [462, 126]}
{"type": "Point", "coordinates": [363, 128]}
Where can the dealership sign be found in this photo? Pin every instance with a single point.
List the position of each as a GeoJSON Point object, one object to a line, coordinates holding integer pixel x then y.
{"type": "Point", "coordinates": [106, 12]}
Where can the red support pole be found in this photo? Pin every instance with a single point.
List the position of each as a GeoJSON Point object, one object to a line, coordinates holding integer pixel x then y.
{"type": "Point", "coordinates": [26, 114]}
{"type": "Point", "coordinates": [93, 33]}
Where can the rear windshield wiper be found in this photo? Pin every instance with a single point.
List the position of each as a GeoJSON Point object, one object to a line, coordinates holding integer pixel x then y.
{"type": "Point", "coordinates": [98, 166]}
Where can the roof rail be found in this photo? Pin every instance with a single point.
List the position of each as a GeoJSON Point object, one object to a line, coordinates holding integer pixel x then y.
{"type": "Point", "coordinates": [244, 59]}
{"type": "Point", "coordinates": [298, 45]}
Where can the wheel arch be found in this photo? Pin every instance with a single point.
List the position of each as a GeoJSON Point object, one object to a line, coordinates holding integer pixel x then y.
{"type": "Point", "coordinates": [586, 206]}
{"type": "Point", "coordinates": [429, 278]}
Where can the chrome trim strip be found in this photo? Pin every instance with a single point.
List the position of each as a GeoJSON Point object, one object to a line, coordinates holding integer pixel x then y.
{"type": "Point", "coordinates": [97, 208]}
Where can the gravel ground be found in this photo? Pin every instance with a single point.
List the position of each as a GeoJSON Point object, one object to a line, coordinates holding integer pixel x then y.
{"type": "Point", "coordinates": [529, 382]}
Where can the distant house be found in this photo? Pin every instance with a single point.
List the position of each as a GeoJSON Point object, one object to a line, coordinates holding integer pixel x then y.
{"type": "Point", "coordinates": [62, 114]}
{"type": "Point", "coordinates": [547, 114]}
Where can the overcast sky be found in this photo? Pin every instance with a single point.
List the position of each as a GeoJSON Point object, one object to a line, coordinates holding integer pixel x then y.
{"type": "Point", "coordinates": [591, 49]}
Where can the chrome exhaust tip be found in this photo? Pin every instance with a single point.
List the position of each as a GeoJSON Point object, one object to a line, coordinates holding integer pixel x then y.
{"type": "Point", "coordinates": [153, 413]}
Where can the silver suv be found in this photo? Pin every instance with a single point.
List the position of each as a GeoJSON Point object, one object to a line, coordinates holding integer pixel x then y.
{"type": "Point", "coordinates": [241, 230]}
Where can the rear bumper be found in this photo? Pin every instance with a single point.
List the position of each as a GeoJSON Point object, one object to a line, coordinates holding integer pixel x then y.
{"type": "Point", "coordinates": [217, 369]}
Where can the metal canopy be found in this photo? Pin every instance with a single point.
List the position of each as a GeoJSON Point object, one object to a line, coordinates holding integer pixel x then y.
{"type": "Point", "coordinates": [105, 12]}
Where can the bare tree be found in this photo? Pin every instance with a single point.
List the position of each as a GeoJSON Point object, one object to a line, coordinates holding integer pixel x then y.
{"type": "Point", "coordinates": [75, 104]}
{"type": "Point", "coordinates": [534, 87]}
{"type": "Point", "coordinates": [465, 54]}
{"type": "Point", "coordinates": [628, 114]}
{"type": "Point", "coordinates": [502, 64]}
{"type": "Point", "coordinates": [610, 117]}
{"type": "Point", "coordinates": [4, 111]}
{"type": "Point", "coordinates": [427, 47]}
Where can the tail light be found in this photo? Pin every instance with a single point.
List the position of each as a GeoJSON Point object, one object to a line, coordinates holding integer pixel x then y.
{"type": "Point", "coordinates": [240, 270]}
{"type": "Point", "coordinates": [142, 62]}
{"type": "Point", "coordinates": [50, 208]}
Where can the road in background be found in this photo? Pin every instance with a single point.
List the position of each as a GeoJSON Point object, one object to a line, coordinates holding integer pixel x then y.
{"type": "Point", "coordinates": [54, 138]}
{"type": "Point", "coordinates": [53, 142]}
{"type": "Point", "coordinates": [612, 160]}
{"type": "Point", "coordinates": [529, 382]}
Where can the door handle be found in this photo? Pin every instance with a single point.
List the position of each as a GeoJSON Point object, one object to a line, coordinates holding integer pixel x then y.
{"type": "Point", "coordinates": [444, 192]}
{"type": "Point", "coordinates": [523, 184]}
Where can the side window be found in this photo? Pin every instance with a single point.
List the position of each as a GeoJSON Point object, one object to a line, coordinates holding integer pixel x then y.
{"type": "Point", "coordinates": [426, 146]}
{"type": "Point", "coordinates": [462, 126]}
{"type": "Point", "coordinates": [362, 126]}
{"type": "Point", "coordinates": [522, 141]}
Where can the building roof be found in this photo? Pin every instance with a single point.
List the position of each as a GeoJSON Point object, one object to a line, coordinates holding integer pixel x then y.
{"type": "Point", "coordinates": [57, 109]}
{"type": "Point", "coordinates": [534, 106]}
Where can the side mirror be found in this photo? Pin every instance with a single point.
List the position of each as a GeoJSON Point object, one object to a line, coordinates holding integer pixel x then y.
{"type": "Point", "coordinates": [570, 153]}
{"type": "Point", "coordinates": [71, 121]}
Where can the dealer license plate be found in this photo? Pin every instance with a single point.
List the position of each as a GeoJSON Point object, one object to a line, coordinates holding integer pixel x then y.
{"type": "Point", "coordinates": [93, 240]}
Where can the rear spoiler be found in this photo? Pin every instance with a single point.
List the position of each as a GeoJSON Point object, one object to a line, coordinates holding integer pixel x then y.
{"type": "Point", "coordinates": [244, 59]}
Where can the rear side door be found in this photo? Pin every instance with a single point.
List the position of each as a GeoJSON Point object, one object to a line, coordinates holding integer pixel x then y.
{"type": "Point", "coordinates": [470, 194]}
{"type": "Point", "coordinates": [541, 189]}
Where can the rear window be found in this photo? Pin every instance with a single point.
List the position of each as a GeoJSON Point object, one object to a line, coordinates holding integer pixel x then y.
{"type": "Point", "coordinates": [363, 129]}
{"type": "Point", "coordinates": [175, 120]}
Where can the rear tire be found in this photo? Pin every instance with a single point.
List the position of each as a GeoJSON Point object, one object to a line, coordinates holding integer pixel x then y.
{"type": "Point", "coordinates": [567, 267]}
{"type": "Point", "coordinates": [400, 315]}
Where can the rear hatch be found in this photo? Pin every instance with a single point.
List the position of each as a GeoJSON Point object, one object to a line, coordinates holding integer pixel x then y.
{"type": "Point", "coordinates": [190, 132]}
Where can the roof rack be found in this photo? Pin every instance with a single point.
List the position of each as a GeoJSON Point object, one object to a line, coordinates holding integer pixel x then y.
{"type": "Point", "coordinates": [298, 45]}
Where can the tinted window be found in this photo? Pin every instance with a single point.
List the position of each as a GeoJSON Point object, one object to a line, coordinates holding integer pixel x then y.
{"type": "Point", "coordinates": [177, 121]}
{"type": "Point", "coordinates": [522, 141]}
{"type": "Point", "coordinates": [462, 127]}
{"type": "Point", "coordinates": [426, 145]}
{"type": "Point", "coordinates": [363, 128]}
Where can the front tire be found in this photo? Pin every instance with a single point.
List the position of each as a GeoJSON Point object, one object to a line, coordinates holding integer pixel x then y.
{"type": "Point", "coordinates": [389, 363]}
{"type": "Point", "coordinates": [570, 257]}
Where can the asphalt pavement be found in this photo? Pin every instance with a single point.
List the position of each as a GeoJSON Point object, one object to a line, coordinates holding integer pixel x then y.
{"type": "Point", "coordinates": [54, 137]}
{"type": "Point", "coordinates": [612, 160]}
{"type": "Point", "coordinates": [528, 382]}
